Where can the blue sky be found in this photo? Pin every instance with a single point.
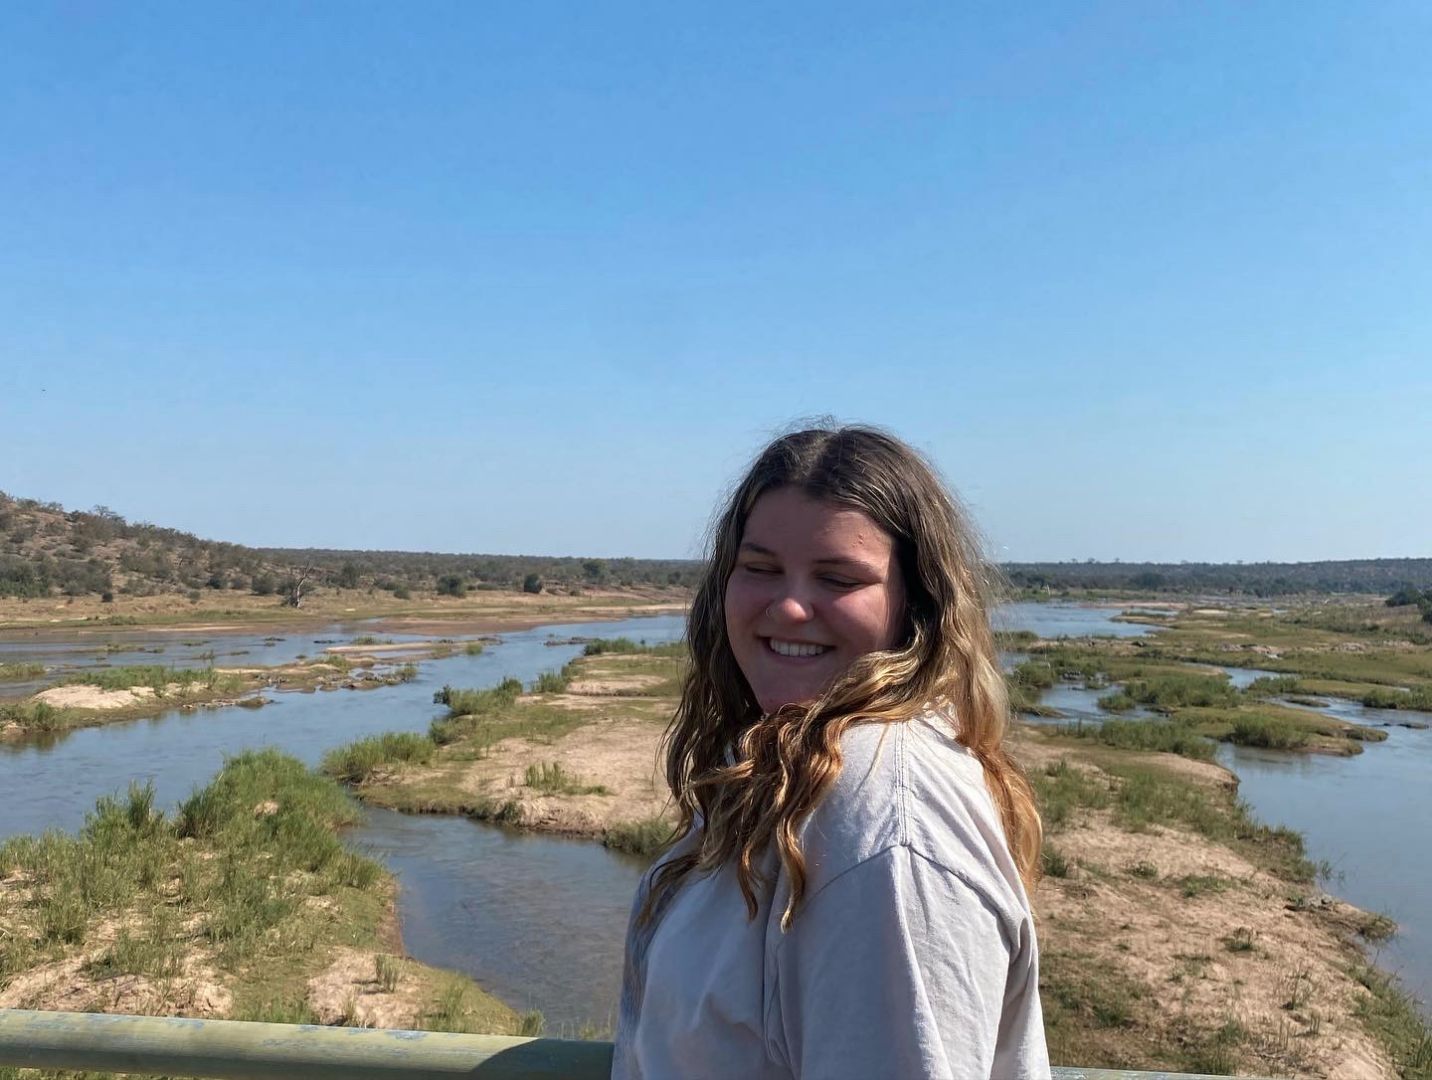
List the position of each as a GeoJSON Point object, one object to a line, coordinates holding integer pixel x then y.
{"type": "Point", "coordinates": [1147, 280]}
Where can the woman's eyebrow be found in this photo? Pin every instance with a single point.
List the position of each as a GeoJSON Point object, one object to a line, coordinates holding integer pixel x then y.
{"type": "Point", "coordinates": [747, 545]}
{"type": "Point", "coordinates": [828, 560]}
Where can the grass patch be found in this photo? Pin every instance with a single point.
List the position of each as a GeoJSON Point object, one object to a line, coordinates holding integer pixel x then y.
{"type": "Point", "coordinates": [1164, 736]}
{"type": "Point", "coordinates": [554, 682]}
{"type": "Point", "coordinates": [1192, 886]}
{"type": "Point", "coordinates": [37, 717]}
{"type": "Point", "coordinates": [1418, 698]}
{"type": "Point", "coordinates": [158, 678]}
{"type": "Point", "coordinates": [1034, 675]}
{"type": "Point", "coordinates": [14, 672]}
{"type": "Point", "coordinates": [1240, 941]}
{"type": "Point", "coordinates": [648, 837]}
{"type": "Point", "coordinates": [555, 780]}
{"type": "Point", "coordinates": [1061, 789]}
{"type": "Point", "coordinates": [624, 645]}
{"type": "Point", "coordinates": [1166, 692]}
{"type": "Point", "coordinates": [1271, 732]}
{"type": "Point", "coordinates": [249, 876]}
{"type": "Point", "coordinates": [1054, 862]}
{"type": "Point", "coordinates": [357, 761]}
{"type": "Point", "coordinates": [1393, 1018]}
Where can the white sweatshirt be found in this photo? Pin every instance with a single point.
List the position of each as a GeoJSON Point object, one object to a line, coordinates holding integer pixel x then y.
{"type": "Point", "coordinates": [912, 955]}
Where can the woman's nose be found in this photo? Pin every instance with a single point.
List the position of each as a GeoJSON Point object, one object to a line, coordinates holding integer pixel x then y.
{"type": "Point", "coordinates": [790, 607]}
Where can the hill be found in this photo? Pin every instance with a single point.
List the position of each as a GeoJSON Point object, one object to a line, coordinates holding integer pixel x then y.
{"type": "Point", "coordinates": [47, 550]}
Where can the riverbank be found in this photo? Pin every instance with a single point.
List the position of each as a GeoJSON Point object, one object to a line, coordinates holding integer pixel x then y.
{"type": "Point", "coordinates": [1177, 934]}
{"type": "Point", "coordinates": [112, 694]}
{"type": "Point", "coordinates": [245, 904]}
{"type": "Point", "coordinates": [221, 611]}
{"type": "Point", "coordinates": [505, 756]}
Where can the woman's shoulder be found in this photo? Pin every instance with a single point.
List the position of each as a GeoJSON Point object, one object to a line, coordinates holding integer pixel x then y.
{"type": "Point", "coordinates": [912, 784]}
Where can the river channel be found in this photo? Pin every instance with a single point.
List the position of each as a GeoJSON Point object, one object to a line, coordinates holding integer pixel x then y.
{"type": "Point", "coordinates": [539, 920]}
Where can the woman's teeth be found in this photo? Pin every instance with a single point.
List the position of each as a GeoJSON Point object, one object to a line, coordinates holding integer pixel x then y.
{"type": "Point", "coordinates": [797, 648]}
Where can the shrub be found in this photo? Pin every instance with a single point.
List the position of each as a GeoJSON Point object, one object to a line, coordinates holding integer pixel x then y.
{"type": "Point", "coordinates": [532, 584]}
{"type": "Point", "coordinates": [451, 585]}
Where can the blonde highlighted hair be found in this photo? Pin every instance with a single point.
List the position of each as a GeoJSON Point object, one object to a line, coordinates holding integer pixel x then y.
{"type": "Point", "coordinates": [745, 781]}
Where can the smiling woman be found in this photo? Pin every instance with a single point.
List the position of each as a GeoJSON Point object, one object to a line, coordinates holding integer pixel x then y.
{"type": "Point", "coordinates": [846, 896]}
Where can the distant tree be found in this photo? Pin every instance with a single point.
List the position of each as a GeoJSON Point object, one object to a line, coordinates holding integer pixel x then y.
{"type": "Point", "coordinates": [1147, 580]}
{"type": "Point", "coordinates": [297, 585]}
{"type": "Point", "coordinates": [348, 575]}
{"type": "Point", "coordinates": [1404, 597]}
{"type": "Point", "coordinates": [532, 584]}
{"type": "Point", "coordinates": [594, 569]}
{"type": "Point", "coordinates": [264, 585]}
{"type": "Point", "coordinates": [452, 585]}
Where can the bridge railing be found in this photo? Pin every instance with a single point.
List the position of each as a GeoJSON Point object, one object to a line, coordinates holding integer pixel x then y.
{"type": "Point", "coordinates": [241, 1050]}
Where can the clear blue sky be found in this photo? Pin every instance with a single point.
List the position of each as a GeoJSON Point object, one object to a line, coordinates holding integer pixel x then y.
{"type": "Point", "coordinates": [1148, 280]}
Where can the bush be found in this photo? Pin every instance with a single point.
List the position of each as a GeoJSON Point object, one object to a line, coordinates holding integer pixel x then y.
{"type": "Point", "coordinates": [532, 584]}
{"type": "Point", "coordinates": [451, 585]}
{"type": "Point", "coordinates": [1404, 597]}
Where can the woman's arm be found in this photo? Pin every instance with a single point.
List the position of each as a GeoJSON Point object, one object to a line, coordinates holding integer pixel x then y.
{"type": "Point", "coordinates": [899, 968]}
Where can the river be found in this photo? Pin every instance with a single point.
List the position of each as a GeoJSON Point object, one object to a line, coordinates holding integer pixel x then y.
{"type": "Point", "coordinates": [539, 920]}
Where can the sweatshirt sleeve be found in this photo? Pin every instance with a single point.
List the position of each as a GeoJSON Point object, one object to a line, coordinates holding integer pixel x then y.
{"type": "Point", "coordinates": [897, 968]}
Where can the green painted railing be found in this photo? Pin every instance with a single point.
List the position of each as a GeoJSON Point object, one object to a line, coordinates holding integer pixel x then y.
{"type": "Point", "coordinates": [177, 1046]}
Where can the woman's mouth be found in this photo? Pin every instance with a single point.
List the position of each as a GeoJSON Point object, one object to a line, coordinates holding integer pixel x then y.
{"type": "Point", "coordinates": [796, 649]}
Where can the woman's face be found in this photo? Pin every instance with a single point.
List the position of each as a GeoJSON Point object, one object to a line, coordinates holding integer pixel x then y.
{"type": "Point", "coordinates": [815, 586]}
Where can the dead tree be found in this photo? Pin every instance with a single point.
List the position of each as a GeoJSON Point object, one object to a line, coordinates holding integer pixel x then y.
{"type": "Point", "coordinates": [297, 583]}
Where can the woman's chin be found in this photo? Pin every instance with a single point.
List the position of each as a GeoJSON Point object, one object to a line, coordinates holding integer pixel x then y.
{"type": "Point", "coordinates": [776, 701]}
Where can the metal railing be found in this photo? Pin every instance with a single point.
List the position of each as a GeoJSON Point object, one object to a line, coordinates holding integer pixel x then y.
{"type": "Point", "coordinates": [241, 1050]}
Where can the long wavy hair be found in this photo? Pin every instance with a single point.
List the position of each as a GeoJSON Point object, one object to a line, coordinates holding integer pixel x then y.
{"type": "Point", "coordinates": [743, 780]}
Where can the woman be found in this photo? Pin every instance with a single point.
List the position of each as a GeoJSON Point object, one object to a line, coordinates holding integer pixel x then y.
{"type": "Point", "coordinates": [847, 894]}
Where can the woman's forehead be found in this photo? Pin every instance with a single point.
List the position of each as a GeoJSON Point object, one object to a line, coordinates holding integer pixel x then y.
{"type": "Point", "coordinates": [787, 518]}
